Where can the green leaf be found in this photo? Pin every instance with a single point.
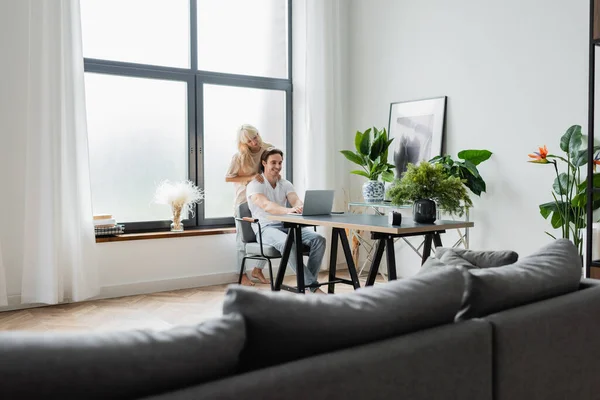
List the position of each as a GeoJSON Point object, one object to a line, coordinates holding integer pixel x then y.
{"type": "Point", "coordinates": [358, 140]}
{"type": "Point", "coordinates": [571, 140]}
{"type": "Point", "coordinates": [556, 220]}
{"type": "Point", "coordinates": [365, 143]}
{"type": "Point", "coordinates": [561, 184]}
{"type": "Point", "coordinates": [547, 208]}
{"type": "Point", "coordinates": [579, 159]}
{"type": "Point", "coordinates": [377, 147]}
{"type": "Point", "coordinates": [384, 153]}
{"type": "Point", "coordinates": [470, 167]}
{"type": "Point", "coordinates": [475, 156]}
{"type": "Point", "coordinates": [355, 158]}
{"type": "Point", "coordinates": [595, 183]}
{"type": "Point", "coordinates": [387, 176]}
{"type": "Point", "coordinates": [476, 185]}
{"type": "Point", "coordinates": [361, 173]}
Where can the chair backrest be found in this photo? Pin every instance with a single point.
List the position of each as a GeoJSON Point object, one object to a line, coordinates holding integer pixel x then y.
{"type": "Point", "coordinates": [248, 235]}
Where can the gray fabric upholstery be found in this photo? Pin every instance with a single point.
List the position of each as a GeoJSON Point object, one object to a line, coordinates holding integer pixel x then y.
{"type": "Point", "coordinates": [431, 264]}
{"type": "Point", "coordinates": [301, 326]}
{"type": "Point", "coordinates": [551, 271]}
{"type": "Point", "coordinates": [451, 258]}
{"type": "Point", "coordinates": [248, 235]}
{"type": "Point", "coordinates": [269, 251]}
{"type": "Point", "coordinates": [117, 365]}
{"type": "Point", "coordinates": [549, 350]}
{"type": "Point", "coordinates": [446, 362]}
{"type": "Point", "coordinates": [481, 259]}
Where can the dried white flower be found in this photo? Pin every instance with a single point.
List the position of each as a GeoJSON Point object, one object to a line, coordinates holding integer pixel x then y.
{"type": "Point", "coordinates": [179, 196]}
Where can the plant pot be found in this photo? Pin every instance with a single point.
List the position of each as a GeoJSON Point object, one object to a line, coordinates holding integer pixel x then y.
{"type": "Point", "coordinates": [373, 191]}
{"type": "Point", "coordinates": [424, 211]}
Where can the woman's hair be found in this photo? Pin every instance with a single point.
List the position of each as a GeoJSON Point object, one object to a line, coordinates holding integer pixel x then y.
{"type": "Point", "coordinates": [246, 133]}
{"type": "Point", "coordinates": [265, 156]}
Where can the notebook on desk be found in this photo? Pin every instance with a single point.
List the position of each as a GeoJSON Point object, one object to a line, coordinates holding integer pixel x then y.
{"type": "Point", "coordinates": [318, 202]}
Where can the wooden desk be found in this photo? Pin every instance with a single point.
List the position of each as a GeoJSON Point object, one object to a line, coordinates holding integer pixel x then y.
{"type": "Point", "coordinates": [380, 230]}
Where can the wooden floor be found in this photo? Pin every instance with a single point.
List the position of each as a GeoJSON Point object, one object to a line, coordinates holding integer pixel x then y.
{"type": "Point", "coordinates": [155, 311]}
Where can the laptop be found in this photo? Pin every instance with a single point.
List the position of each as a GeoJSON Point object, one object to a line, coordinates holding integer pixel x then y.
{"type": "Point", "coordinates": [318, 202]}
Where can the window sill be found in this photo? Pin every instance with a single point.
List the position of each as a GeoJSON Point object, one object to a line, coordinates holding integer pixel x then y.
{"type": "Point", "coordinates": [165, 235]}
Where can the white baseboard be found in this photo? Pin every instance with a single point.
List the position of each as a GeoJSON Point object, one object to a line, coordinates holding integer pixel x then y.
{"type": "Point", "coordinates": [131, 289]}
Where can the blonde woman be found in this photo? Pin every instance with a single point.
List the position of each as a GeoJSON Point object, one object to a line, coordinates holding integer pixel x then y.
{"type": "Point", "coordinates": [243, 169]}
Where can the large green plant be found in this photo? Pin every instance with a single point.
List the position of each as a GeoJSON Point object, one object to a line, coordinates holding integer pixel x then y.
{"type": "Point", "coordinates": [372, 154]}
{"type": "Point", "coordinates": [466, 168]}
{"type": "Point", "coordinates": [430, 181]}
{"type": "Point", "coordinates": [568, 209]}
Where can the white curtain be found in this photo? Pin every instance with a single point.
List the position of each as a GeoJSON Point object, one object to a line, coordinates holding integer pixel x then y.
{"type": "Point", "coordinates": [320, 131]}
{"type": "Point", "coordinates": [59, 262]}
{"type": "Point", "coordinates": [320, 97]}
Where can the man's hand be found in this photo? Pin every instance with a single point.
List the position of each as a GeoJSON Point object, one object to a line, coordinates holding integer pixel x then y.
{"type": "Point", "coordinates": [296, 210]}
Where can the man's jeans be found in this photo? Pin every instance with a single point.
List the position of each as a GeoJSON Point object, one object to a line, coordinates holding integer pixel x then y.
{"type": "Point", "coordinates": [275, 235]}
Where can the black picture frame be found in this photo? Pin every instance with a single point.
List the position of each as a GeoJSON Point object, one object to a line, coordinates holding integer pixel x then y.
{"type": "Point", "coordinates": [418, 128]}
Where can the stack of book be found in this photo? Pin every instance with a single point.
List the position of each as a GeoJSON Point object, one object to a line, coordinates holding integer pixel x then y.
{"type": "Point", "coordinates": [105, 225]}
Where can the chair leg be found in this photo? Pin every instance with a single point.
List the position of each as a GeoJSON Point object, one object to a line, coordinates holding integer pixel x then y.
{"type": "Point", "coordinates": [242, 271]}
{"type": "Point", "coordinates": [271, 275]}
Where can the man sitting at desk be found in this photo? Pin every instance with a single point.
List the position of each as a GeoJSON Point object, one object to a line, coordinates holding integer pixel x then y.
{"type": "Point", "coordinates": [269, 198]}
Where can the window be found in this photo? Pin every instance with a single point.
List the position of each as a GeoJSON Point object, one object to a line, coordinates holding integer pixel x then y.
{"type": "Point", "coordinates": [168, 82]}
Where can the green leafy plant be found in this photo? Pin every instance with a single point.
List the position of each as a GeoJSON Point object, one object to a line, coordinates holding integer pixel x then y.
{"type": "Point", "coordinates": [431, 181]}
{"type": "Point", "coordinates": [466, 168]}
{"type": "Point", "coordinates": [372, 155]}
{"type": "Point", "coordinates": [569, 190]}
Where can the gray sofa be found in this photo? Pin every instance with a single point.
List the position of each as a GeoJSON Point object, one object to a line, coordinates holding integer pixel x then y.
{"type": "Point", "coordinates": [467, 327]}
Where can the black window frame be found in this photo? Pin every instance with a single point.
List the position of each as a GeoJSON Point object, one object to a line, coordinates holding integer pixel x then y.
{"type": "Point", "coordinates": [195, 80]}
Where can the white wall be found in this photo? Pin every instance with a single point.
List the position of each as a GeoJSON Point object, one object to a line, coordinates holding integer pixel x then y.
{"type": "Point", "coordinates": [515, 73]}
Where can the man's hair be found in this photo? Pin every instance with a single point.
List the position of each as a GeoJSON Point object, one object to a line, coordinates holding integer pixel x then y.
{"type": "Point", "coordinates": [265, 156]}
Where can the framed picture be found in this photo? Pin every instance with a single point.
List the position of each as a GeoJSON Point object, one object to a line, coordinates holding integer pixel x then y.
{"type": "Point", "coordinates": [417, 128]}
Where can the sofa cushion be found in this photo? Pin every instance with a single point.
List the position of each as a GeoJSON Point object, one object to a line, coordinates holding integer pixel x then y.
{"type": "Point", "coordinates": [452, 258]}
{"type": "Point", "coordinates": [115, 365]}
{"type": "Point", "coordinates": [553, 270]}
{"type": "Point", "coordinates": [431, 264]}
{"type": "Point", "coordinates": [282, 326]}
{"type": "Point", "coordinates": [479, 259]}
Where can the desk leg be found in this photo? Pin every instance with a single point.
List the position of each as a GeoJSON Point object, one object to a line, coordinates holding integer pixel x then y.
{"type": "Point", "coordinates": [333, 260]}
{"type": "Point", "coordinates": [375, 263]}
{"type": "Point", "coordinates": [437, 239]}
{"type": "Point", "coordinates": [284, 259]}
{"type": "Point", "coordinates": [391, 258]}
{"type": "Point", "coordinates": [427, 247]}
{"type": "Point", "coordinates": [349, 259]}
{"type": "Point", "coordinates": [299, 260]}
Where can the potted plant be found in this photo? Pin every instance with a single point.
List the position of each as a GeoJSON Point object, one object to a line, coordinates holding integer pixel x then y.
{"type": "Point", "coordinates": [466, 168]}
{"type": "Point", "coordinates": [567, 210]}
{"type": "Point", "coordinates": [372, 155]}
{"type": "Point", "coordinates": [428, 186]}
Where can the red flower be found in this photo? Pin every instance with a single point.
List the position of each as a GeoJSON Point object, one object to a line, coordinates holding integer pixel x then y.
{"type": "Point", "coordinates": [540, 157]}
{"type": "Point", "coordinates": [596, 161]}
